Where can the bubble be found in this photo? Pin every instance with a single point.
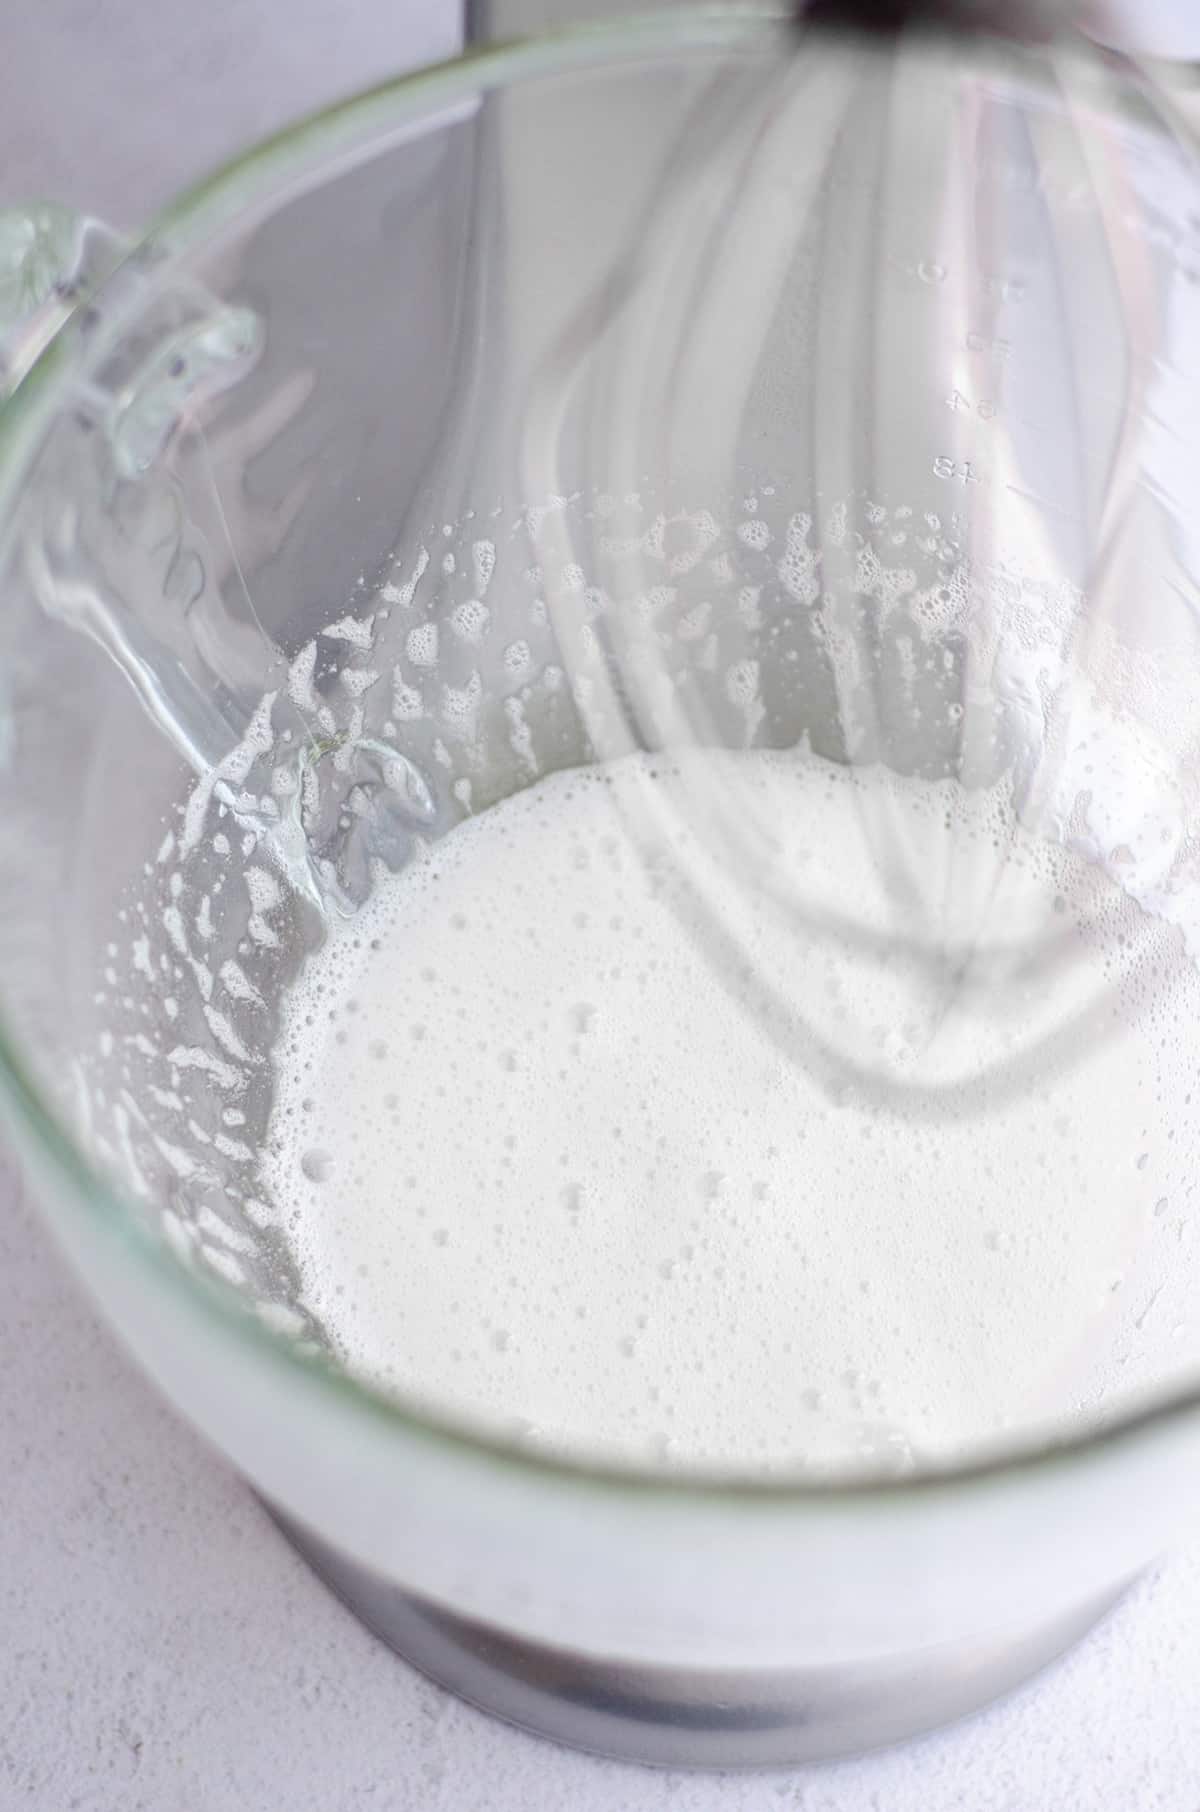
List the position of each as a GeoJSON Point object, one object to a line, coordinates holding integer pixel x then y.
{"type": "Point", "coordinates": [421, 646]}
{"type": "Point", "coordinates": [741, 682]}
{"type": "Point", "coordinates": [755, 534]}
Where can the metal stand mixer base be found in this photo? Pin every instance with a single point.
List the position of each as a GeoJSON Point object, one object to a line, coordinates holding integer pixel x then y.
{"type": "Point", "coordinates": [690, 1717]}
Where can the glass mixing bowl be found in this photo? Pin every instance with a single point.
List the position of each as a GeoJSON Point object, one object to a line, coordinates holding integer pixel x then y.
{"type": "Point", "coordinates": [696, 380]}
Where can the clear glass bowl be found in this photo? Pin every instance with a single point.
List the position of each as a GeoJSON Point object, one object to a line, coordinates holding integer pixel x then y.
{"type": "Point", "coordinates": [532, 325]}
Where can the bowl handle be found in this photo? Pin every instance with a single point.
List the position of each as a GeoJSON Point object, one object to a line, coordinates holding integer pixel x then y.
{"type": "Point", "coordinates": [51, 260]}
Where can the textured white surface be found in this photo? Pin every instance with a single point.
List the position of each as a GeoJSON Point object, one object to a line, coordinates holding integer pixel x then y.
{"type": "Point", "coordinates": [161, 1649]}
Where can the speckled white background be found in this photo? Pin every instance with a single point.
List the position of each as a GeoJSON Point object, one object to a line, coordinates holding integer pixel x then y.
{"type": "Point", "coordinates": [161, 1649]}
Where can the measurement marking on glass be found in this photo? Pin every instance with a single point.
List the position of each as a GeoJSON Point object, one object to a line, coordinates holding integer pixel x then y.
{"type": "Point", "coordinates": [985, 408]}
{"type": "Point", "coordinates": [982, 342]}
{"type": "Point", "coordinates": [959, 469]}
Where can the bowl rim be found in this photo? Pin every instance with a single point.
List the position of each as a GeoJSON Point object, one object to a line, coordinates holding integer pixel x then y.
{"type": "Point", "coordinates": [351, 128]}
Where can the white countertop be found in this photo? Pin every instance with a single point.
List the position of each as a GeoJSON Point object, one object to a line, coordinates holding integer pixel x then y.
{"type": "Point", "coordinates": [161, 1648]}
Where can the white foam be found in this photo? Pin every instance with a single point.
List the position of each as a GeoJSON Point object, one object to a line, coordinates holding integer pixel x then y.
{"type": "Point", "coordinates": [572, 1137]}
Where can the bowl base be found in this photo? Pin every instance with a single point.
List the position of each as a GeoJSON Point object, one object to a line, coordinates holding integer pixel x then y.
{"type": "Point", "coordinates": [691, 1717]}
